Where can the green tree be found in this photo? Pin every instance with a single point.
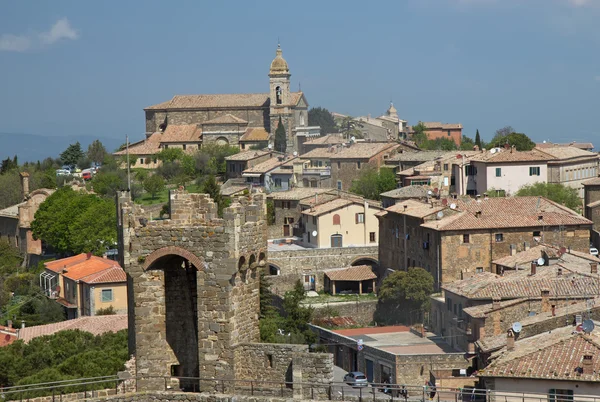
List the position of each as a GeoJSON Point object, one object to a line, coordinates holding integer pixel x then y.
{"type": "Point", "coordinates": [8, 165]}
{"type": "Point", "coordinates": [210, 187]}
{"type": "Point", "coordinates": [96, 152]}
{"type": "Point", "coordinates": [350, 127]}
{"type": "Point", "coordinates": [319, 116]}
{"type": "Point", "coordinates": [74, 222]}
{"type": "Point", "coordinates": [372, 183]}
{"type": "Point", "coordinates": [297, 316]}
{"type": "Point", "coordinates": [420, 135]}
{"type": "Point", "coordinates": [280, 137]}
{"type": "Point", "coordinates": [210, 160]}
{"type": "Point", "coordinates": [170, 154]}
{"type": "Point", "coordinates": [507, 135]}
{"type": "Point", "coordinates": [72, 154]}
{"type": "Point", "coordinates": [556, 192]}
{"type": "Point", "coordinates": [478, 139]}
{"type": "Point", "coordinates": [404, 295]}
{"type": "Point", "coordinates": [466, 143]}
{"type": "Point", "coordinates": [108, 182]}
{"type": "Point", "coordinates": [154, 184]}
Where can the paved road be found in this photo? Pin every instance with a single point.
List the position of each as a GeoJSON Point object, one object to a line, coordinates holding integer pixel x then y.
{"type": "Point", "coordinates": [345, 389]}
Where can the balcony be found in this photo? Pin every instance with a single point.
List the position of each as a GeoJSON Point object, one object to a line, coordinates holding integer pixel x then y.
{"type": "Point", "coordinates": [321, 171]}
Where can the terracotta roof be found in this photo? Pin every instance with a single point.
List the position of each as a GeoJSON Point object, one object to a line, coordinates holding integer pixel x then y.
{"type": "Point", "coordinates": [80, 266]}
{"type": "Point", "coordinates": [219, 101]}
{"type": "Point", "coordinates": [420, 156]}
{"type": "Point", "coordinates": [557, 356]}
{"type": "Point", "coordinates": [580, 145]}
{"type": "Point", "coordinates": [181, 133]}
{"type": "Point", "coordinates": [247, 155]}
{"type": "Point", "coordinates": [96, 325]}
{"type": "Point", "coordinates": [482, 310]}
{"type": "Point", "coordinates": [485, 285]}
{"type": "Point", "coordinates": [415, 208]}
{"type": "Point", "coordinates": [568, 152]}
{"type": "Point", "coordinates": [297, 193]}
{"type": "Point", "coordinates": [226, 119]}
{"type": "Point", "coordinates": [326, 139]}
{"type": "Point", "coordinates": [437, 124]}
{"type": "Point", "coordinates": [509, 212]}
{"type": "Point", "coordinates": [520, 258]}
{"type": "Point", "coordinates": [356, 273]}
{"type": "Point", "coordinates": [110, 275]}
{"type": "Point", "coordinates": [505, 155]}
{"type": "Point", "coordinates": [255, 134]}
{"type": "Point", "coordinates": [328, 206]}
{"type": "Point", "coordinates": [592, 182]}
{"type": "Point", "coordinates": [407, 192]}
{"type": "Point", "coordinates": [267, 165]}
{"type": "Point", "coordinates": [359, 150]}
{"type": "Point", "coordinates": [149, 146]}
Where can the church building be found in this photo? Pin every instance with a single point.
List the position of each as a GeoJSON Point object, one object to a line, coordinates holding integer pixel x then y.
{"type": "Point", "coordinates": [230, 119]}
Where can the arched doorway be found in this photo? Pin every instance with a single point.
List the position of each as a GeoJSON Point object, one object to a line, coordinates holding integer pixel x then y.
{"type": "Point", "coordinates": [222, 141]}
{"type": "Point", "coordinates": [372, 262]}
{"type": "Point", "coordinates": [181, 271]}
{"type": "Point", "coordinates": [274, 270]}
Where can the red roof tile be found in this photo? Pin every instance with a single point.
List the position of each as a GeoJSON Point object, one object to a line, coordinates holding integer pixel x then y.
{"type": "Point", "coordinates": [80, 266]}
{"type": "Point", "coordinates": [356, 273]}
{"type": "Point", "coordinates": [96, 325]}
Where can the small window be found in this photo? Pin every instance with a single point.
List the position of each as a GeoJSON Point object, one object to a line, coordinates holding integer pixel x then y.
{"type": "Point", "coordinates": [448, 133]}
{"type": "Point", "coordinates": [560, 395]}
{"type": "Point", "coordinates": [339, 165]}
{"type": "Point", "coordinates": [534, 171]}
{"type": "Point", "coordinates": [466, 238]}
{"type": "Point", "coordinates": [141, 161]}
{"type": "Point", "coordinates": [360, 217]}
{"type": "Point", "coordinates": [314, 220]}
{"type": "Point", "coordinates": [479, 270]}
{"type": "Point", "coordinates": [536, 233]}
{"type": "Point", "coordinates": [498, 172]}
{"type": "Point", "coordinates": [339, 184]}
{"type": "Point", "coordinates": [269, 360]}
{"type": "Point", "coordinates": [184, 147]}
{"type": "Point", "coordinates": [336, 219]}
{"type": "Point", "coordinates": [358, 165]}
{"type": "Point", "coordinates": [445, 167]}
{"type": "Point", "coordinates": [470, 170]}
{"type": "Point", "coordinates": [107, 295]}
{"type": "Point", "coordinates": [372, 237]}
{"type": "Point", "coordinates": [499, 237]}
{"type": "Point", "coordinates": [285, 204]}
{"type": "Point", "coordinates": [449, 303]}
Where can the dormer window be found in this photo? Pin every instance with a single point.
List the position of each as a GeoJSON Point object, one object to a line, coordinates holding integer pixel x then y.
{"type": "Point", "coordinates": [278, 95]}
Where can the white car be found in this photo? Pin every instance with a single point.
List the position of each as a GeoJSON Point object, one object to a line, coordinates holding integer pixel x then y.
{"type": "Point", "coordinates": [356, 379]}
{"type": "Point", "coordinates": [594, 251]}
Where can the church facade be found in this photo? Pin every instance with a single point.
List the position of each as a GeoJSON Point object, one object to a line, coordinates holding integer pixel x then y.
{"type": "Point", "coordinates": [237, 119]}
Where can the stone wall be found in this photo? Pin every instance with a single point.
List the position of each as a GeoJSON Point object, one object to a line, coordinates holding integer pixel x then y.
{"type": "Point", "coordinates": [256, 117]}
{"type": "Point", "coordinates": [414, 369]}
{"type": "Point", "coordinates": [313, 374]}
{"type": "Point", "coordinates": [360, 311]}
{"type": "Point", "coordinates": [269, 361]}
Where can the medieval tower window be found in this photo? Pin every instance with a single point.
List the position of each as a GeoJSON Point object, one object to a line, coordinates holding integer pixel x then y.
{"type": "Point", "coordinates": [278, 95]}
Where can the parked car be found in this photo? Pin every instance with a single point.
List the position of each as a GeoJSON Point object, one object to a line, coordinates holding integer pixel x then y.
{"type": "Point", "coordinates": [63, 172]}
{"type": "Point", "coordinates": [594, 251]}
{"type": "Point", "coordinates": [356, 379]}
{"type": "Point", "coordinates": [86, 175]}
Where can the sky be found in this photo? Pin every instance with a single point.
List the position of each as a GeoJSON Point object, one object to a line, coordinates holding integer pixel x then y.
{"type": "Point", "coordinates": [89, 68]}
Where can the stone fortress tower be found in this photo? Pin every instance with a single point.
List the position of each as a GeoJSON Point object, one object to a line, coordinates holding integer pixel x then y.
{"type": "Point", "coordinates": [193, 285]}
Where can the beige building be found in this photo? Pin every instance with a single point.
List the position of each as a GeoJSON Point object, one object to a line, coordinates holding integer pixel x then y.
{"type": "Point", "coordinates": [84, 284]}
{"type": "Point", "coordinates": [341, 223]}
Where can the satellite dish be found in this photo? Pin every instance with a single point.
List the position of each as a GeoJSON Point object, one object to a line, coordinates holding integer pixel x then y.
{"type": "Point", "coordinates": [353, 138]}
{"type": "Point", "coordinates": [587, 326]}
{"type": "Point", "coordinates": [429, 192]}
{"type": "Point", "coordinates": [440, 215]}
{"type": "Point", "coordinates": [493, 151]}
{"type": "Point", "coordinates": [314, 233]}
{"type": "Point", "coordinates": [517, 327]}
{"type": "Point", "coordinates": [541, 261]}
{"type": "Point", "coordinates": [295, 153]}
{"type": "Point", "coordinates": [453, 206]}
{"type": "Point", "coordinates": [270, 146]}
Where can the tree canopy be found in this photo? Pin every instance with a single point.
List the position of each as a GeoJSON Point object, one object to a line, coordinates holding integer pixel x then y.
{"type": "Point", "coordinates": [72, 154]}
{"type": "Point", "coordinates": [478, 139]}
{"type": "Point", "coordinates": [507, 135]}
{"type": "Point", "coordinates": [96, 152]}
{"type": "Point", "coordinates": [372, 183]}
{"type": "Point", "coordinates": [75, 222]}
{"type": "Point", "coordinates": [319, 116]}
{"type": "Point", "coordinates": [280, 137]}
{"type": "Point", "coordinates": [404, 295]}
{"type": "Point", "coordinates": [556, 192]}
{"type": "Point", "coordinates": [154, 184]}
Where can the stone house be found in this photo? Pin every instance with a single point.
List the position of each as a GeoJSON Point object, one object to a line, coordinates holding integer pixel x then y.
{"type": "Point", "coordinates": [341, 222]}
{"type": "Point", "coordinates": [345, 163]}
{"type": "Point", "coordinates": [451, 131]}
{"type": "Point", "coordinates": [236, 164]}
{"type": "Point", "coordinates": [586, 146]}
{"type": "Point", "coordinates": [274, 174]}
{"type": "Point", "coordinates": [324, 141]}
{"type": "Point", "coordinates": [560, 366]}
{"type": "Point", "coordinates": [487, 304]}
{"type": "Point", "coordinates": [407, 159]}
{"type": "Point", "coordinates": [401, 194]}
{"type": "Point", "coordinates": [84, 284]}
{"type": "Point", "coordinates": [591, 202]}
{"type": "Point", "coordinates": [254, 137]}
{"type": "Point", "coordinates": [571, 166]}
{"type": "Point", "coordinates": [451, 238]}
{"type": "Point", "coordinates": [15, 221]}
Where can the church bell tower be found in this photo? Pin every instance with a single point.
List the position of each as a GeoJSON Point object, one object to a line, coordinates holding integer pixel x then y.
{"type": "Point", "coordinates": [280, 96]}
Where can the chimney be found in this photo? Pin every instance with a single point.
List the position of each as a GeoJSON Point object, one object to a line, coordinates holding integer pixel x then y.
{"type": "Point", "coordinates": [506, 146]}
{"type": "Point", "coordinates": [478, 198]}
{"type": "Point", "coordinates": [405, 207]}
{"type": "Point", "coordinates": [485, 196]}
{"type": "Point", "coordinates": [24, 185]}
{"type": "Point", "coordinates": [476, 148]}
{"type": "Point", "coordinates": [513, 250]}
{"type": "Point", "coordinates": [526, 246]}
{"type": "Point", "coordinates": [587, 363]}
{"type": "Point", "coordinates": [593, 267]}
{"type": "Point", "coordinates": [477, 214]}
{"type": "Point", "coordinates": [533, 267]}
{"type": "Point", "coordinates": [553, 308]}
{"type": "Point", "coordinates": [510, 340]}
{"type": "Point", "coordinates": [22, 324]}
{"type": "Point", "coordinates": [545, 300]}
{"type": "Point", "coordinates": [559, 271]}
{"type": "Point", "coordinates": [9, 322]}
{"type": "Point", "coordinates": [316, 198]}
{"type": "Point", "coordinates": [495, 303]}
{"type": "Point", "coordinates": [512, 149]}
{"type": "Point", "coordinates": [88, 256]}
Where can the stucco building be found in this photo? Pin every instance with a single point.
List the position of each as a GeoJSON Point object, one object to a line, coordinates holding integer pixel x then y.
{"type": "Point", "coordinates": [450, 131]}
{"type": "Point", "coordinates": [454, 237]}
{"type": "Point", "coordinates": [591, 202]}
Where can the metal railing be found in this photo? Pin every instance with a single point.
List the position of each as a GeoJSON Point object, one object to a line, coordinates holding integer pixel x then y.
{"type": "Point", "coordinates": [57, 389]}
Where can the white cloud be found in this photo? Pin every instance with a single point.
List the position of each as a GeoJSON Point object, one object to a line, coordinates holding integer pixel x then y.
{"type": "Point", "coordinates": [14, 43]}
{"type": "Point", "coordinates": [60, 30]}
{"type": "Point", "coordinates": [21, 43]}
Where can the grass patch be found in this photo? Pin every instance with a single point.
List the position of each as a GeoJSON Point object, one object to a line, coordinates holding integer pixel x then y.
{"type": "Point", "coordinates": [146, 198]}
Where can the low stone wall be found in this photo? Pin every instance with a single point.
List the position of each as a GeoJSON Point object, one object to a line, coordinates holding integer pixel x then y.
{"type": "Point", "coordinates": [315, 369]}
{"type": "Point", "coordinates": [360, 311]}
{"type": "Point", "coordinates": [270, 361]}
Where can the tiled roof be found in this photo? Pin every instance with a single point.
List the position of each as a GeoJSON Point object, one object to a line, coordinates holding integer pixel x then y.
{"type": "Point", "coordinates": [359, 150]}
{"type": "Point", "coordinates": [181, 133]}
{"type": "Point", "coordinates": [482, 310]}
{"type": "Point", "coordinates": [80, 266]}
{"type": "Point", "coordinates": [407, 192]}
{"type": "Point", "coordinates": [219, 101]}
{"type": "Point", "coordinates": [420, 156]}
{"type": "Point", "coordinates": [110, 275]}
{"type": "Point", "coordinates": [246, 156]}
{"type": "Point", "coordinates": [326, 139]}
{"type": "Point", "coordinates": [149, 146]}
{"type": "Point", "coordinates": [555, 356]}
{"type": "Point", "coordinates": [267, 165]}
{"type": "Point", "coordinates": [580, 145]}
{"type": "Point", "coordinates": [592, 182]}
{"type": "Point", "coordinates": [96, 325]}
{"type": "Point", "coordinates": [508, 212]}
{"type": "Point", "coordinates": [593, 204]}
{"type": "Point", "coordinates": [297, 193]}
{"type": "Point", "coordinates": [255, 134]}
{"type": "Point", "coordinates": [12, 211]}
{"type": "Point", "coordinates": [568, 152]}
{"type": "Point", "coordinates": [523, 257]}
{"type": "Point", "coordinates": [232, 190]}
{"type": "Point", "coordinates": [507, 155]}
{"type": "Point", "coordinates": [357, 273]}
{"type": "Point", "coordinates": [328, 207]}
{"type": "Point", "coordinates": [486, 285]}
{"type": "Point", "coordinates": [414, 208]}
{"type": "Point", "coordinates": [226, 119]}
{"type": "Point", "coordinates": [437, 124]}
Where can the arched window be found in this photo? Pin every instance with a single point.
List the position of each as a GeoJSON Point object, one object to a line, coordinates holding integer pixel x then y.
{"type": "Point", "coordinates": [278, 95]}
{"type": "Point", "coordinates": [301, 119]}
{"type": "Point", "coordinates": [336, 219]}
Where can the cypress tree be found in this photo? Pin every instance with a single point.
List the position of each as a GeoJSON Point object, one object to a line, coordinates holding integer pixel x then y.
{"type": "Point", "coordinates": [478, 139]}
{"type": "Point", "coordinates": [280, 138]}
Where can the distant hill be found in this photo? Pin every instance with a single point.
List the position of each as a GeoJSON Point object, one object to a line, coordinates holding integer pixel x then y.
{"type": "Point", "coordinates": [31, 147]}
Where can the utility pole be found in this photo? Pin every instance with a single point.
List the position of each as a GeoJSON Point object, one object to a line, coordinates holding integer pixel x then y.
{"type": "Point", "coordinates": [128, 171]}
